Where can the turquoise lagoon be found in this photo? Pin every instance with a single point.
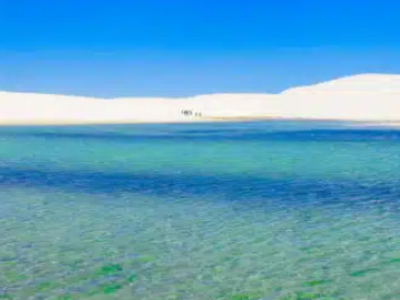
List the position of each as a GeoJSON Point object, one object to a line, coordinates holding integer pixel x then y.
{"type": "Point", "coordinates": [234, 211]}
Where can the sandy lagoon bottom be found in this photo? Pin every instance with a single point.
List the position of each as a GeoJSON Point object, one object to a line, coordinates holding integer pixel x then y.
{"type": "Point", "coordinates": [229, 212]}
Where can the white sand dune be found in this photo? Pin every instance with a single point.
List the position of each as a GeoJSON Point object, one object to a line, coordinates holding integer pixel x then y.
{"type": "Point", "coordinates": [366, 97]}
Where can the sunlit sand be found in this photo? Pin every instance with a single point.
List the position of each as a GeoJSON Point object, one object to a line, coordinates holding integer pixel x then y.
{"type": "Point", "coordinates": [366, 98]}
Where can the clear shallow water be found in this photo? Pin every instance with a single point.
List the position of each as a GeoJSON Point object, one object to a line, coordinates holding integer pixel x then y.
{"type": "Point", "coordinates": [214, 211]}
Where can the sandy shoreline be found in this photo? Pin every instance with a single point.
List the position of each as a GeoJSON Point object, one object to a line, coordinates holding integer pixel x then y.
{"type": "Point", "coordinates": [364, 100]}
{"type": "Point", "coordinates": [353, 123]}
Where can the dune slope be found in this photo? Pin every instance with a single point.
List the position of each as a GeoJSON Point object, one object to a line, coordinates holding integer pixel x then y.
{"type": "Point", "coordinates": [365, 97]}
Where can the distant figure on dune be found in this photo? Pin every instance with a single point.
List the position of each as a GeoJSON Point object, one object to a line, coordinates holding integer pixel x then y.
{"type": "Point", "coordinates": [190, 113]}
{"type": "Point", "coordinates": [187, 112]}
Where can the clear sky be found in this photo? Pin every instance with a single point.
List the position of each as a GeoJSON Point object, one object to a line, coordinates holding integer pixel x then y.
{"type": "Point", "coordinates": [115, 48]}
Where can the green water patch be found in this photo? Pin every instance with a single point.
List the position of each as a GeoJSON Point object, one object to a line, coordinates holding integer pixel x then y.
{"type": "Point", "coordinates": [317, 282]}
{"type": "Point", "coordinates": [66, 297]}
{"type": "Point", "coordinates": [364, 272]}
{"type": "Point", "coordinates": [391, 262]}
{"type": "Point", "coordinates": [131, 278]}
{"type": "Point", "coordinates": [146, 259]}
{"type": "Point", "coordinates": [246, 296]}
{"type": "Point", "coordinates": [103, 271]}
{"type": "Point", "coordinates": [47, 286]}
{"type": "Point", "coordinates": [111, 288]}
{"type": "Point", "coordinates": [378, 268]}
{"type": "Point", "coordinates": [14, 277]}
{"type": "Point", "coordinates": [116, 270]}
{"type": "Point", "coordinates": [101, 274]}
{"type": "Point", "coordinates": [109, 270]}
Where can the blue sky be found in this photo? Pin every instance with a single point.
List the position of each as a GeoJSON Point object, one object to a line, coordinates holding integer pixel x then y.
{"type": "Point", "coordinates": [179, 48]}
